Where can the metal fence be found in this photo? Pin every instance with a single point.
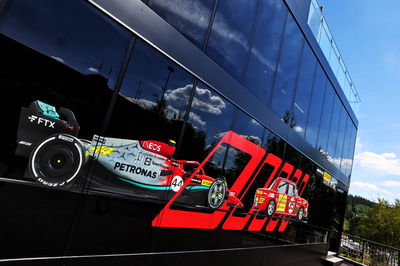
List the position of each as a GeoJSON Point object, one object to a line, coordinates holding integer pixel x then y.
{"type": "Point", "coordinates": [368, 252]}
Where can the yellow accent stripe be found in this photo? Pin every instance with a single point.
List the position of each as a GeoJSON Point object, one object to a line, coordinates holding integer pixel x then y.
{"type": "Point", "coordinates": [282, 203]}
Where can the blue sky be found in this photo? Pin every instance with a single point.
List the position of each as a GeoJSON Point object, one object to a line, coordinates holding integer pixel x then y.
{"type": "Point", "coordinates": [368, 36]}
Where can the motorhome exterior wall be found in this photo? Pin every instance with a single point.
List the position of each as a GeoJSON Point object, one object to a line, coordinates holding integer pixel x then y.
{"type": "Point", "coordinates": [141, 79]}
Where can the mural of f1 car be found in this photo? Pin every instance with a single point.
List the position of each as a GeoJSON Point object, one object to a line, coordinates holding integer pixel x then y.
{"type": "Point", "coordinates": [49, 138]}
{"type": "Point", "coordinates": [281, 198]}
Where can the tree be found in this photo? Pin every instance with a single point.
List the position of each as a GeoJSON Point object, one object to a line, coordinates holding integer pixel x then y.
{"type": "Point", "coordinates": [382, 224]}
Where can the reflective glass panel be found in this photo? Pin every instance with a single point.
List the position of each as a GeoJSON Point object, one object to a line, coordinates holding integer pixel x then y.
{"type": "Point", "coordinates": [248, 128]}
{"type": "Point", "coordinates": [316, 104]}
{"type": "Point", "coordinates": [154, 89]}
{"type": "Point", "coordinates": [282, 95]}
{"type": "Point", "coordinates": [191, 18]}
{"type": "Point", "coordinates": [149, 112]}
{"type": "Point", "coordinates": [344, 164]}
{"type": "Point", "coordinates": [303, 91]}
{"type": "Point", "coordinates": [322, 143]}
{"type": "Point", "coordinates": [231, 33]}
{"type": "Point", "coordinates": [209, 119]}
{"type": "Point", "coordinates": [352, 148]}
{"type": "Point", "coordinates": [334, 128]}
{"type": "Point", "coordinates": [265, 48]}
{"type": "Point", "coordinates": [340, 139]}
{"type": "Point", "coordinates": [47, 26]}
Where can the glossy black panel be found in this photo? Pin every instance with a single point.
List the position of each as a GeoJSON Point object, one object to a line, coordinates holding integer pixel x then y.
{"type": "Point", "coordinates": [299, 254]}
{"type": "Point", "coordinates": [111, 225]}
{"type": "Point", "coordinates": [265, 49]}
{"type": "Point", "coordinates": [230, 36]}
{"type": "Point", "coordinates": [287, 72]}
{"type": "Point", "coordinates": [36, 221]}
{"type": "Point", "coordinates": [191, 18]}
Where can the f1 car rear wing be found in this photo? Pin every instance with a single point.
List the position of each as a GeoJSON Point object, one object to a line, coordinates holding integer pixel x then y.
{"type": "Point", "coordinates": [41, 120]}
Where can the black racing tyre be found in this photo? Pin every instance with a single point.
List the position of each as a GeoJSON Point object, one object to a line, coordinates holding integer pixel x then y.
{"type": "Point", "coordinates": [300, 214]}
{"type": "Point", "coordinates": [270, 210]}
{"type": "Point", "coordinates": [57, 161]}
{"type": "Point", "coordinates": [217, 193]}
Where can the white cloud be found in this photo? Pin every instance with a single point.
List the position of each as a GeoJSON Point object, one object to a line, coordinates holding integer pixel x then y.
{"type": "Point", "coordinates": [369, 187]}
{"type": "Point", "coordinates": [387, 163]}
{"type": "Point", "coordinates": [179, 96]}
{"type": "Point", "coordinates": [298, 129]}
{"type": "Point", "coordinates": [390, 183]}
{"type": "Point", "coordinates": [197, 119]}
{"type": "Point", "coordinates": [359, 145]}
{"type": "Point", "coordinates": [93, 70]}
{"type": "Point", "coordinates": [207, 102]}
{"type": "Point", "coordinates": [58, 59]}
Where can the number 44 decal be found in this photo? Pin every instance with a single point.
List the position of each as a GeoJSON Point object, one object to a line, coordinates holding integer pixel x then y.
{"type": "Point", "coordinates": [177, 183]}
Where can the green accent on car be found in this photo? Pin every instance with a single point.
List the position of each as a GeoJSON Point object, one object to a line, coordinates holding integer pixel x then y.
{"type": "Point", "coordinates": [159, 187]}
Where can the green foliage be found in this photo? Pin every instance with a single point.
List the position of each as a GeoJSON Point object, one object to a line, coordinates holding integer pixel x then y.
{"type": "Point", "coordinates": [378, 222]}
{"type": "Point", "coordinates": [382, 224]}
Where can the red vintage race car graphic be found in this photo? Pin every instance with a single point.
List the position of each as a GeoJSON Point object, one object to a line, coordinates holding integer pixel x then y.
{"type": "Point", "coordinates": [281, 198]}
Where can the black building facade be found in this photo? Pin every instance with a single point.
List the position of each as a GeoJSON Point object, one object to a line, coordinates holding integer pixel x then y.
{"type": "Point", "coordinates": [242, 88]}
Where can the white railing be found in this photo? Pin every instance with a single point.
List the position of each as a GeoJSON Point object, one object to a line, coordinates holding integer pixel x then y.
{"type": "Point", "coordinates": [323, 35]}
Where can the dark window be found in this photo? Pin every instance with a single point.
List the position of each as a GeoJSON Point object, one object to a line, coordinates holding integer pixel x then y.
{"type": "Point", "coordinates": [191, 18]}
{"type": "Point", "coordinates": [153, 98]}
{"type": "Point", "coordinates": [303, 91]}
{"type": "Point", "coordinates": [231, 33]}
{"type": "Point", "coordinates": [69, 32]}
{"type": "Point", "coordinates": [273, 144]}
{"type": "Point", "coordinates": [265, 49]}
{"type": "Point", "coordinates": [209, 119]}
{"type": "Point", "coordinates": [317, 100]}
{"type": "Point", "coordinates": [326, 119]}
{"type": "Point", "coordinates": [334, 128]}
{"type": "Point", "coordinates": [236, 161]}
{"type": "Point", "coordinates": [282, 96]}
{"type": "Point", "coordinates": [248, 128]}
{"type": "Point", "coordinates": [151, 105]}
